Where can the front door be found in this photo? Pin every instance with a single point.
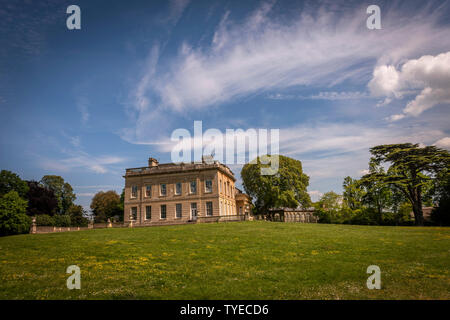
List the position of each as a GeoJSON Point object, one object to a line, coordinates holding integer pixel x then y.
{"type": "Point", "coordinates": [194, 211]}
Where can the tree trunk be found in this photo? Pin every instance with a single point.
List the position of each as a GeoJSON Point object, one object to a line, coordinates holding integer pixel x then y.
{"type": "Point", "coordinates": [418, 214]}
{"type": "Point", "coordinates": [417, 208]}
{"type": "Point", "coordinates": [415, 197]}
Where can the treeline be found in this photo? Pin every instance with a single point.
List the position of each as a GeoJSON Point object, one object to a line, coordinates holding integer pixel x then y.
{"type": "Point", "coordinates": [50, 200]}
{"type": "Point", "coordinates": [402, 179]}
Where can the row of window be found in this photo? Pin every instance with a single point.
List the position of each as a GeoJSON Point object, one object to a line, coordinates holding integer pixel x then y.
{"type": "Point", "coordinates": [226, 209]}
{"type": "Point", "coordinates": [178, 189]}
{"type": "Point", "coordinates": [178, 211]}
{"type": "Point", "coordinates": [226, 188]}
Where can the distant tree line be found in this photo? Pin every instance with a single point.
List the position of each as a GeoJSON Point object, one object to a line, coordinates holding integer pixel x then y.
{"type": "Point", "coordinates": [50, 200]}
{"type": "Point", "coordinates": [402, 178]}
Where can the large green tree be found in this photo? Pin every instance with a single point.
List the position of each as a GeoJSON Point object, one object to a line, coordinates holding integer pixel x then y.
{"type": "Point", "coordinates": [106, 205]}
{"type": "Point", "coordinates": [329, 207]}
{"type": "Point", "coordinates": [285, 188]}
{"type": "Point", "coordinates": [63, 191]}
{"type": "Point", "coordinates": [377, 194]}
{"type": "Point", "coordinates": [353, 193]}
{"type": "Point", "coordinates": [411, 168]}
{"type": "Point", "coordinates": [10, 181]}
{"type": "Point", "coordinates": [13, 217]}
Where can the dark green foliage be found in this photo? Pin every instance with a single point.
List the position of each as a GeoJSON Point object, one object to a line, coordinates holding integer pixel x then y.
{"type": "Point", "coordinates": [77, 216]}
{"type": "Point", "coordinates": [10, 181]}
{"type": "Point", "coordinates": [45, 220]}
{"type": "Point", "coordinates": [62, 190]}
{"type": "Point", "coordinates": [62, 220]}
{"type": "Point", "coordinates": [13, 218]}
{"type": "Point", "coordinates": [73, 219]}
{"type": "Point", "coordinates": [411, 170]}
{"type": "Point", "coordinates": [41, 200]}
{"type": "Point", "coordinates": [441, 214]}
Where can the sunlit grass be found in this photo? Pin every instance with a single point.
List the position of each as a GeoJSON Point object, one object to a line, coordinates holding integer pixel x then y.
{"type": "Point", "coordinates": [243, 260]}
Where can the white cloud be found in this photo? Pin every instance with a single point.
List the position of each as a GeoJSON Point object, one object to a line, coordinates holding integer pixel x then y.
{"type": "Point", "coordinates": [395, 117]}
{"type": "Point", "coordinates": [262, 54]}
{"type": "Point", "coordinates": [385, 81]}
{"type": "Point", "coordinates": [443, 143]}
{"type": "Point", "coordinates": [430, 75]}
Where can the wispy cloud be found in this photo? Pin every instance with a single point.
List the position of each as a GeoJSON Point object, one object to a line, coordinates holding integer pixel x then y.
{"type": "Point", "coordinates": [323, 95]}
{"type": "Point", "coordinates": [330, 150]}
{"type": "Point", "coordinates": [112, 186]}
{"type": "Point", "coordinates": [83, 108]}
{"type": "Point", "coordinates": [261, 54]}
{"type": "Point", "coordinates": [82, 160]}
{"type": "Point", "coordinates": [84, 194]}
{"type": "Point", "coordinates": [176, 9]}
{"type": "Point", "coordinates": [72, 156]}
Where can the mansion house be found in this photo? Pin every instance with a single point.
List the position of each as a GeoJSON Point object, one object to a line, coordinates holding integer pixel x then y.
{"type": "Point", "coordinates": [181, 193]}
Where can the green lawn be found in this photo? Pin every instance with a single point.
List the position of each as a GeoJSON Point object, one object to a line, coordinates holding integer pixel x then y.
{"type": "Point", "coordinates": [240, 260]}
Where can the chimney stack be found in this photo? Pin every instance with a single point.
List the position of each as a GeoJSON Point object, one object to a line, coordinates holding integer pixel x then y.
{"type": "Point", "coordinates": [152, 162]}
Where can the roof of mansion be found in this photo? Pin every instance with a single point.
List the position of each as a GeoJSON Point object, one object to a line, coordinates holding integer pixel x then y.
{"type": "Point", "coordinates": [170, 168]}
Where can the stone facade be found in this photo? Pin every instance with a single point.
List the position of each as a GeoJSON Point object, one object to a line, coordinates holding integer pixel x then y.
{"type": "Point", "coordinates": [243, 203]}
{"type": "Point", "coordinates": [294, 215]}
{"type": "Point", "coordinates": [179, 193]}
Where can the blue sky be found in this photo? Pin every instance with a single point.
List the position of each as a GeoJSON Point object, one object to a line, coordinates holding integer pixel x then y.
{"type": "Point", "coordinates": [86, 104]}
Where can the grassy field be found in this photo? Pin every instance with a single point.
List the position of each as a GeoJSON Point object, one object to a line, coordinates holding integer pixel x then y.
{"type": "Point", "coordinates": [241, 260]}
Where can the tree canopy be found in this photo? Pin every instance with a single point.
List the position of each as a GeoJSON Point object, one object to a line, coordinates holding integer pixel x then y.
{"type": "Point", "coordinates": [286, 188]}
{"type": "Point", "coordinates": [106, 205]}
{"type": "Point", "coordinates": [410, 171]}
{"type": "Point", "coordinates": [41, 200]}
{"type": "Point", "coordinates": [9, 181]}
{"type": "Point", "coordinates": [63, 191]}
{"type": "Point", "coordinates": [13, 218]}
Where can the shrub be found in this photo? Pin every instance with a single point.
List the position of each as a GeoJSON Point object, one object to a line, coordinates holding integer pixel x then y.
{"type": "Point", "coordinates": [45, 220]}
{"type": "Point", "coordinates": [323, 215]}
{"type": "Point", "coordinates": [62, 220]}
{"type": "Point", "coordinates": [13, 218]}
